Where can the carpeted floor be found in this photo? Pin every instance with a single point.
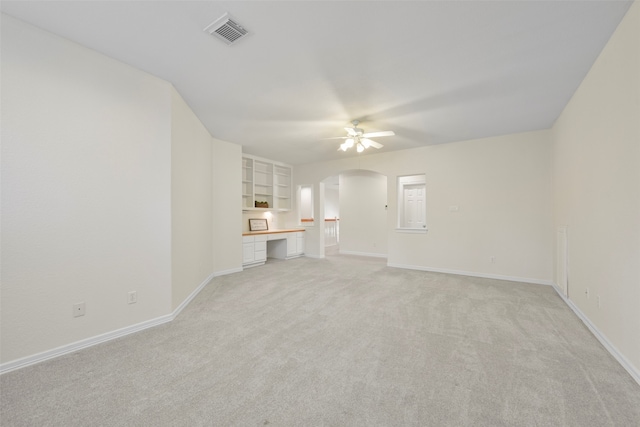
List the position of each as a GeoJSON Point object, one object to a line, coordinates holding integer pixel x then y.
{"type": "Point", "coordinates": [341, 341]}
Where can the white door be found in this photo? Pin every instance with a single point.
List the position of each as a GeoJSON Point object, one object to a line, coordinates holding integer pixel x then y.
{"type": "Point", "coordinates": [414, 206]}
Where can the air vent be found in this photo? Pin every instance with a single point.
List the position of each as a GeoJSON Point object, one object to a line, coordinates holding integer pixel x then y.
{"type": "Point", "coordinates": [226, 29]}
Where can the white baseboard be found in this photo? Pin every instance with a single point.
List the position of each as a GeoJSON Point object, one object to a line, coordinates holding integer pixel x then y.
{"type": "Point", "coordinates": [341, 252]}
{"type": "Point", "coordinates": [228, 271]}
{"type": "Point", "coordinates": [79, 345]}
{"type": "Point", "coordinates": [473, 274]}
{"type": "Point", "coordinates": [108, 336]}
{"type": "Point", "coordinates": [191, 296]}
{"type": "Point", "coordinates": [635, 374]}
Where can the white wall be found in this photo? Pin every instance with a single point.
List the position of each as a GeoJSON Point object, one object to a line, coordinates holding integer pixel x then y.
{"type": "Point", "coordinates": [86, 192]}
{"type": "Point", "coordinates": [227, 207]}
{"type": "Point", "coordinates": [597, 189]}
{"type": "Point", "coordinates": [274, 219]}
{"type": "Point", "coordinates": [191, 201]}
{"type": "Point", "coordinates": [110, 184]}
{"type": "Point", "coordinates": [363, 225]}
{"type": "Point", "coordinates": [502, 186]}
{"type": "Point", "coordinates": [332, 203]}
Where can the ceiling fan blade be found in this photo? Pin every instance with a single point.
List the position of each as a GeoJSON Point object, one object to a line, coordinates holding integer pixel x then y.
{"type": "Point", "coordinates": [382, 133]}
{"type": "Point", "coordinates": [351, 131]}
{"type": "Point", "coordinates": [338, 137]}
{"type": "Point", "coordinates": [371, 143]}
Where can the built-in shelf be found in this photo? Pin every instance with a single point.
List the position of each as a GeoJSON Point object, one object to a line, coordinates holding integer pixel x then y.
{"type": "Point", "coordinates": [268, 181]}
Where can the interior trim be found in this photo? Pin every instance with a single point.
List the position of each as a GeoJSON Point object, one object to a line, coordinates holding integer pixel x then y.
{"type": "Point", "coordinates": [635, 374]}
{"type": "Point", "coordinates": [472, 274]}
{"type": "Point", "coordinates": [373, 255]}
{"type": "Point", "coordinates": [108, 336]}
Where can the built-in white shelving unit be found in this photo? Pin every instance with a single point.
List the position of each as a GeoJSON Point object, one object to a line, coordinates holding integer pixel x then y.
{"type": "Point", "coordinates": [265, 181]}
{"type": "Point", "coordinates": [247, 183]}
{"type": "Point", "coordinates": [282, 186]}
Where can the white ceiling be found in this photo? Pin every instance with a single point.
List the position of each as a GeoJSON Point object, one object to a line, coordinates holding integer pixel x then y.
{"type": "Point", "coordinates": [432, 71]}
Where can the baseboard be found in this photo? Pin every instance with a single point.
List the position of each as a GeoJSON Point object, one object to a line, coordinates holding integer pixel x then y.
{"type": "Point", "coordinates": [635, 374]}
{"type": "Point", "coordinates": [108, 336]}
{"type": "Point", "coordinates": [79, 345]}
{"type": "Point", "coordinates": [191, 296]}
{"type": "Point", "coordinates": [228, 271]}
{"type": "Point", "coordinates": [341, 252]}
{"type": "Point", "coordinates": [473, 274]}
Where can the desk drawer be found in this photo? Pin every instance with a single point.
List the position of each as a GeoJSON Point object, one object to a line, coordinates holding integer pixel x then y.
{"type": "Point", "coordinates": [260, 255]}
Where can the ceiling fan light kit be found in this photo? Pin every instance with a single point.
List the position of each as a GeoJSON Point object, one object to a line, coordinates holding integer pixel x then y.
{"type": "Point", "coordinates": [357, 137]}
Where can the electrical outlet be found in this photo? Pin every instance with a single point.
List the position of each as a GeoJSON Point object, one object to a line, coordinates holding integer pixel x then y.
{"type": "Point", "coordinates": [586, 293]}
{"type": "Point", "coordinates": [492, 259]}
{"type": "Point", "coordinates": [78, 309]}
{"type": "Point", "coordinates": [598, 297]}
{"type": "Point", "coordinates": [132, 297]}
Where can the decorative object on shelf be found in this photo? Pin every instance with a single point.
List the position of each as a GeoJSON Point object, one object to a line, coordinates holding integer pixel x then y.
{"type": "Point", "coordinates": [261, 204]}
{"type": "Point", "coordinates": [356, 136]}
{"type": "Point", "coordinates": [258, 224]}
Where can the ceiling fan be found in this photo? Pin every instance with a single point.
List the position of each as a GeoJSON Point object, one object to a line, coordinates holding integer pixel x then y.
{"type": "Point", "coordinates": [356, 137]}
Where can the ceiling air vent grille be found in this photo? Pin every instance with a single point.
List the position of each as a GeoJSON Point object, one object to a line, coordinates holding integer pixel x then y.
{"type": "Point", "coordinates": [226, 29]}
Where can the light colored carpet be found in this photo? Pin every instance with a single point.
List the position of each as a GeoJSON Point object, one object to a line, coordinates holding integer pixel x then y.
{"type": "Point", "coordinates": [341, 341]}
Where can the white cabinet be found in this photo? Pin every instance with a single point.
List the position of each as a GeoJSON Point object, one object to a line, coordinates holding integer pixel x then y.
{"type": "Point", "coordinates": [248, 255]}
{"type": "Point", "coordinates": [295, 244]}
{"type": "Point", "coordinates": [260, 248]}
{"type": "Point", "coordinates": [300, 242]}
{"type": "Point", "coordinates": [254, 250]}
{"type": "Point", "coordinates": [280, 245]}
{"type": "Point", "coordinates": [266, 185]}
{"type": "Point", "coordinates": [292, 248]}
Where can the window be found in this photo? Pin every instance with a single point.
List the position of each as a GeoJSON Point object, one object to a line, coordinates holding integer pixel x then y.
{"type": "Point", "coordinates": [412, 203]}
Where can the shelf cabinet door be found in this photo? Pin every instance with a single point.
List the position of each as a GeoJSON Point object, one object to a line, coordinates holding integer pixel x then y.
{"type": "Point", "coordinates": [291, 244]}
{"type": "Point", "coordinates": [248, 253]}
{"type": "Point", "coordinates": [300, 242]}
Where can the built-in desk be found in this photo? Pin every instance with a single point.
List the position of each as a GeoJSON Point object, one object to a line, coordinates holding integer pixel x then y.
{"type": "Point", "coordinates": [257, 246]}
